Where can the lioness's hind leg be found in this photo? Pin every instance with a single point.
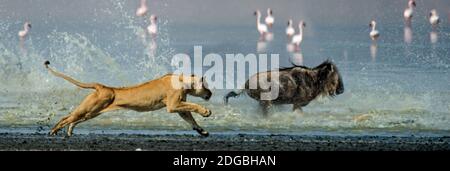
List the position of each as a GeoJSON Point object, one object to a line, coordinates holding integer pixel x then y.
{"type": "Point", "coordinates": [54, 130]}
{"type": "Point", "coordinates": [63, 122]}
{"type": "Point", "coordinates": [87, 117]}
{"type": "Point", "coordinates": [72, 125]}
{"type": "Point", "coordinates": [187, 116]}
{"type": "Point", "coordinates": [89, 108]}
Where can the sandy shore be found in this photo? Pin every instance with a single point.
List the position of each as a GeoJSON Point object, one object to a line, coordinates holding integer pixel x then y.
{"type": "Point", "coordinates": [25, 141]}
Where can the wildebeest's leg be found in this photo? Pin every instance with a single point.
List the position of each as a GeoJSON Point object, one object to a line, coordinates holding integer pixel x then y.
{"type": "Point", "coordinates": [265, 107]}
{"type": "Point", "coordinates": [298, 108]}
{"type": "Point", "coordinates": [187, 116]}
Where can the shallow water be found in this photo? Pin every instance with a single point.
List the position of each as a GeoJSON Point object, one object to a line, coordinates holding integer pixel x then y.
{"type": "Point", "coordinates": [403, 88]}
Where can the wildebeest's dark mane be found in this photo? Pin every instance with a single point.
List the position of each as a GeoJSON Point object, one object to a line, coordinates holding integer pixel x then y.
{"type": "Point", "coordinates": [292, 67]}
{"type": "Point", "coordinates": [325, 63]}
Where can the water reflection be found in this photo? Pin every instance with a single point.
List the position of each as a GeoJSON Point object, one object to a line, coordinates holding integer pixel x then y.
{"type": "Point", "coordinates": [268, 36]}
{"type": "Point", "coordinates": [290, 47]}
{"type": "Point", "coordinates": [408, 34]}
{"type": "Point", "coordinates": [297, 58]}
{"type": "Point", "coordinates": [23, 53]}
{"type": "Point", "coordinates": [264, 39]}
{"type": "Point", "coordinates": [434, 36]}
{"type": "Point", "coordinates": [448, 17]}
{"type": "Point", "coordinates": [261, 46]}
{"type": "Point", "coordinates": [373, 51]}
{"type": "Point", "coordinates": [142, 35]}
{"type": "Point", "coordinates": [22, 48]}
{"type": "Point", "coordinates": [152, 48]}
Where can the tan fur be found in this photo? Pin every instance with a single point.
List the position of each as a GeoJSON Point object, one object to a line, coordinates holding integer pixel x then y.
{"type": "Point", "coordinates": [168, 91]}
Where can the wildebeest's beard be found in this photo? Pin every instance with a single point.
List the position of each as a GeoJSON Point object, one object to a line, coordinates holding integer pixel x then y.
{"type": "Point", "coordinates": [337, 85]}
{"type": "Point", "coordinates": [340, 88]}
{"type": "Point", "coordinates": [329, 79]}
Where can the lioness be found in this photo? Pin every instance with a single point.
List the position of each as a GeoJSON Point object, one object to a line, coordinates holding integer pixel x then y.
{"type": "Point", "coordinates": [168, 91]}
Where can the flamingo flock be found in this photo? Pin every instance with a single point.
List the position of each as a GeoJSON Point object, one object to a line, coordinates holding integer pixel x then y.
{"type": "Point", "coordinates": [24, 33]}
{"type": "Point", "coordinates": [261, 27]}
{"type": "Point", "coordinates": [290, 31]}
{"type": "Point", "coordinates": [434, 18]}
{"type": "Point", "coordinates": [294, 38]}
{"type": "Point", "coordinates": [298, 38]}
{"type": "Point", "coordinates": [269, 19]}
{"type": "Point", "coordinates": [152, 29]}
{"type": "Point", "coordinates": [143, 9]}
{"type": "Point", "coordinates": [408, 13]}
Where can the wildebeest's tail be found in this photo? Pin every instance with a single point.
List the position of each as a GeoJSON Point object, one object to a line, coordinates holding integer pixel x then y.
{"type": "Point", "coordinates": [79, 84]}
{"type": "Point", "coordinates": [232, 94]}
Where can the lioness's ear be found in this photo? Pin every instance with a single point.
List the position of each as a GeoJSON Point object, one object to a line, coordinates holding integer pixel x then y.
{"type": "Point", "coordinates": [203, 82]}
{"type": "Point", "coordinates": [180, 78]}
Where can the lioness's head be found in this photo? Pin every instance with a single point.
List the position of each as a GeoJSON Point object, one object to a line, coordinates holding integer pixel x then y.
{"type": "Point", "coordinates": [330, 78]}
{"type": "Point", "coordinates": [196, 86]}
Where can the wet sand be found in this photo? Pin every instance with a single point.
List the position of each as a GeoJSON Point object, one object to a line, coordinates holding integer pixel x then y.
{"type": "Point", "coordinates": [237, 142]}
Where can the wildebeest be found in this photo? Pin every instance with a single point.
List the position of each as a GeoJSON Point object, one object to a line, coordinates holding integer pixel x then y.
{"type": "Point", "coordinates": [298, 85]}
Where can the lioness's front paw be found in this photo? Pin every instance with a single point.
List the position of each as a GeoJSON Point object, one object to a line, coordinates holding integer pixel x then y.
{"type": "Point", "coordinates": [204, 133]}
{"type": "Point", "coordinates": [207, 113]}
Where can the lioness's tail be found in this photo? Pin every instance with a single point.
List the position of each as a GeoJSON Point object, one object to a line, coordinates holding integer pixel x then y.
{"type": "Point", "coordinates": [232, 94]}
{"type": "Point", "coordinates": [79, 84]}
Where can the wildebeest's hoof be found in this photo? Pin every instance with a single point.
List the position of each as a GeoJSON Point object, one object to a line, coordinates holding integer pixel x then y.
{"type": "Point", "coordinates": [299, 112]}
